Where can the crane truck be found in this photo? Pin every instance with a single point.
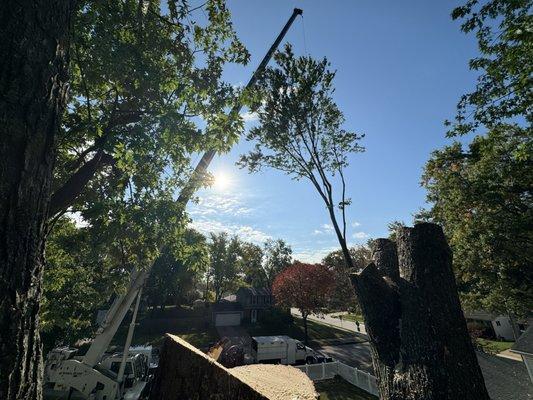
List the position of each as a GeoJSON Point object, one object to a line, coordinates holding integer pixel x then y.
{"type": "Point", "coordinates": [97, 375]}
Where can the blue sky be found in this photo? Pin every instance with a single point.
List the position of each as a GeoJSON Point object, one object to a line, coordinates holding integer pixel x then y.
{"type": "Point", "coordinates": [401, 68]}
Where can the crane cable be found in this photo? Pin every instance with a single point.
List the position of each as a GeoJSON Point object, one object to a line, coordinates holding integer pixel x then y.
{"type": "Point", "coordinates": [303, 34]}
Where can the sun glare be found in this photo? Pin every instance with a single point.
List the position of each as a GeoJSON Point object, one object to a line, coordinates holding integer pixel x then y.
{"type": "Point", "coordinates": [222, 181]}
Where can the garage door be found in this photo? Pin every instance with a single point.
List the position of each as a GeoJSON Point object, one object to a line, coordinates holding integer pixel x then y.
{"type": "Point", "coordinates": [229, 319]}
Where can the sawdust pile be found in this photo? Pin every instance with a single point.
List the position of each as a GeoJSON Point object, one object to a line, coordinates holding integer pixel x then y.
{"type": "Point", "coordinates": [277, 382]}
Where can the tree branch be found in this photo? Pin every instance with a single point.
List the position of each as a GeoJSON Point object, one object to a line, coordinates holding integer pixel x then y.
{"type": "Point", "coordinates": [69, 192]}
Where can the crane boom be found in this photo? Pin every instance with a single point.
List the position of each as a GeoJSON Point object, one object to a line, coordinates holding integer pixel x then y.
{"type": "Point", "coordinates": [62, 370]}
{"type": "Point", "coordinates": [207, 157]}
{"type": "Point", "coordinates": [109, 328]}
{"type": "Point", "coordinates": [123, 303]}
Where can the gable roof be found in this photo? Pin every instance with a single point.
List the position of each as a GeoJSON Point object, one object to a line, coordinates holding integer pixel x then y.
{"type": "Point", "coordinates": [480, 315]}
{"type": "Point", "coordinates": [230, 297]}
{"type": "Point", "coordinates": [524, 344]}
{"type": "Point", "coordinates": [226, 306]}
{"type": "Point", "coordinates": [505, 379]}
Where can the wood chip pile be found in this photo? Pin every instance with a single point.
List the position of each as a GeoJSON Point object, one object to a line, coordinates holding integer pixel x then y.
{"type": "Point", "coordinates": [277, 382]}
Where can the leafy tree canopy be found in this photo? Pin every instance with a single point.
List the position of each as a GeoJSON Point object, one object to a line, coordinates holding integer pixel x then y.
{"type": "Point", "coordinates": [481, 192]}
{"type": "Point", "coordinates": [301, 132]}
{"type": "Point", "coordinates": [251, 259]}
{"type": "Point", "coordinates": [224, 263]}
{"type": "Point", "coordinates": [146, 94]}
{"type": "Point", "coordinates": [482, 196]}
{"type": "Point", "coordinates": [176, 275]}
{"type": "Point", "coordinates": [343, 296]}
{"type": "Point", "coordinates": [143, 75]}
{"type": "Point", "coordinates": [278, 256]}
{"type": "Point", "coordinates": [306, 287]}
{"type": "Point", "coordinates": [504, 30]}
{"type": "Point", "coordinates": [80, 276]}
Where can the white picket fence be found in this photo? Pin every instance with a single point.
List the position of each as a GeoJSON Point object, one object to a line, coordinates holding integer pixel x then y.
{"type": "Point", "coordinates": [356, 377]}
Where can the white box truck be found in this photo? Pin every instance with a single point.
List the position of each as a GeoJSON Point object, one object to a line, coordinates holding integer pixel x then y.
{"type": "Point", "coordinates": [282, 350]}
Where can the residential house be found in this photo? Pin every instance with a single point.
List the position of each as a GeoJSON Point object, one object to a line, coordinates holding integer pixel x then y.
{"type": "Point", "coordinates": [254, 301]}
{"type": "Point", "coordinates": [499, 325]}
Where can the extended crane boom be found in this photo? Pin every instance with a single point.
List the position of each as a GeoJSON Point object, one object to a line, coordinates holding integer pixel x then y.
{"type": "Point", "coordinates": [206, 159]}
{"type": "Point", "coordinates": [86, 375]}
{"type": "Point", "coordinates": [119, 309]}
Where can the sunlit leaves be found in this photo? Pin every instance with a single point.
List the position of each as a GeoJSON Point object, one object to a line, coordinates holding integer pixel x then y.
{"type": "Point", "coordinates": [299, 121]}
{"type": "Point", "coordinates": [504, 30]}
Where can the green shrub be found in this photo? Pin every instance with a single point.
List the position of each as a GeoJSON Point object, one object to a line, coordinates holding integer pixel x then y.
{"type": "Point", "coordinates": [275, 317]}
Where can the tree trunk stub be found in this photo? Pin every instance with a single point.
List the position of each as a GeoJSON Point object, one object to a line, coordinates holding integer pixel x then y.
{"type": "Point", "coordinates": [421, 348]}
{"type": "Point", "coordinates": [33, 67]}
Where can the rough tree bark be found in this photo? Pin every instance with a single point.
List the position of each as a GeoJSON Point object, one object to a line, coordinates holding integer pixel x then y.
{"type": "Point", "coordinates": [420, 344]}
{"type": "Point", "coordinates": [33, 66]}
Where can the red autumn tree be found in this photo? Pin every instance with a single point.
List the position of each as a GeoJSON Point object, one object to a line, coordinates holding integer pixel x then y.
{"type": "Point", "coordinates": [306, 287]}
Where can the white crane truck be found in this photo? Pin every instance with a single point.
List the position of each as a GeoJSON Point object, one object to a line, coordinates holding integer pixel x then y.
{"type": "Point", "coordinates": [96, 375]}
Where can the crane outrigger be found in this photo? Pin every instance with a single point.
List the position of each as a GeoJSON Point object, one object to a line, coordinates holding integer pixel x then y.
{"type": "Point", "coordinates": [124, 376]}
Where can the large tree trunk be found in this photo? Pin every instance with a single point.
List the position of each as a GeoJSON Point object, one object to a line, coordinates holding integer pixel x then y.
{"type": "Point", "coordinates": [33, 65]}
{"type": "Point", "coordinates": [420, 344]}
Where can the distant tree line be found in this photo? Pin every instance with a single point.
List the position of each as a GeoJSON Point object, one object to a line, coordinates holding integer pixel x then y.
{"type": "Point", "coordinates": [82, 277]}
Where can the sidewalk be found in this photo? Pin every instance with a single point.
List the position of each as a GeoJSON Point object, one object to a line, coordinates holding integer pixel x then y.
{"type": "Point", "coordinates": [336, 322]}
{"type": "Point", "coordinates": [510, 355]}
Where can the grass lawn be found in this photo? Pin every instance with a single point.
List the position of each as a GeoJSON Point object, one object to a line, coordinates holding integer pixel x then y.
{"type": "Point", "coordinates": [295, 330]}
{"type": "Point", "coordinates": [494, 346]}
{"type": "Point", "coordinates": [339, 389]}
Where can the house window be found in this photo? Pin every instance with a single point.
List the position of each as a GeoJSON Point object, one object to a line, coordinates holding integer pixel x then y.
{"type": "Point", "coordinates": [498, 323]}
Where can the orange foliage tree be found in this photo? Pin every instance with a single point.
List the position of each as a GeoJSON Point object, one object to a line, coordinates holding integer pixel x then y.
{"type": "Point", "coordinates": [306, 287]}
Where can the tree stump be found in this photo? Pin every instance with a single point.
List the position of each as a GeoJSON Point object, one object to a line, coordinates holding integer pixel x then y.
{"type": "Point", "coordinates": [420, 343]}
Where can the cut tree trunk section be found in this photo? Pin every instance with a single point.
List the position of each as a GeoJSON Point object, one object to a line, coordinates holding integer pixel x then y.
{"type": "Point", "coordinates": [421, 348]}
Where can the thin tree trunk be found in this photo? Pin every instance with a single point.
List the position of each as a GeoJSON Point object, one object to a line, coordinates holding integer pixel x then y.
{"type": "Point", "coordinates": [33, 66]}
{"type": "Point", "coordinates": [420, 344]}
{"type": "Point", "coordinates": [304, 317]}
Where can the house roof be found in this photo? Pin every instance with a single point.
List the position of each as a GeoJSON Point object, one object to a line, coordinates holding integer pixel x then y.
{"type": "Point", "coordinates": [505, 379]}
{"type": "Point", "coordinates": [226, 306]}
{"type": "Point", "coordinates": [231, 297]}
{"type": "Point", "coordinates": [480, 315]}
{"type": "Point", "coordinates": [256, 291]}
{"type": "Point", "coordinates": [524, 344]}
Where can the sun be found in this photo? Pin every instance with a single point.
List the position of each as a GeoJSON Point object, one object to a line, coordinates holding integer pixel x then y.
{"type": "Point", "coordinates": [222, 180]}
